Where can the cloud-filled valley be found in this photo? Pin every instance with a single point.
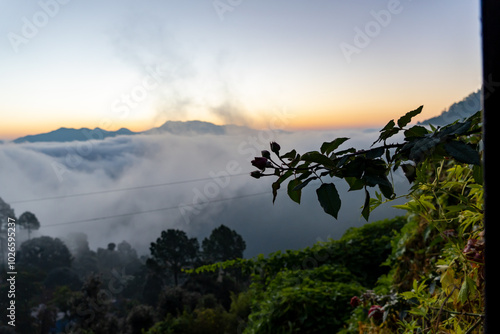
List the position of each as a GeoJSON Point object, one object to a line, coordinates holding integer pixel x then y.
{"type": "Point", "coordinates": [147, 183]}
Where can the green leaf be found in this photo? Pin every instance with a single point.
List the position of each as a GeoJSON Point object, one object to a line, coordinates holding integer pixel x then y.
{"type": "Point", "coordinates": [305, 183]}
{"type": "Point", "coordinates": [462, 152]}
{"type": "Point", "coordinates": [477, 171]}
{"type": "Point", "coordinates": [317, 157]}
{"type": "Point", "coordinates": [421, 148]}
{"type": "Point", "coordinates": [346, 151]}
{"type": "Point", "coordinates": [387, 132]}
{"type": "Point", "coordinates": [290, 155]}
{"type": "Point", "coordinates": [404, 120]}
{"type": "Point", "coordinates": [276, 185]}
{"type": "Point", "coordinates": [410, 172]}
{"type": "Point", "coordinates": [374, 153]}
{"type": "Point", "coordinates": [464, 291]}
{"type": "Point", "coordinates": [389, 126]}
{"type": "Point", "coordinates": [354, 183]}
{"type": "Point", "coordinates": [354, 168]}
{"type": "Point", "coordinates": [292, 192]}
{"type": "Point", "coordinates": [455, 129]}
{"type": "Point", "coordinates": [329, 147]}
{"type": "Point", "coordinates": [329, 199]}
{"type": "Point", "coordinates": [402, 206]}
{"type": "Point", "coordinates": [386, 190]}
{"type": "Point", "coordinates": [415, 131]}
{"type": "Point", "coordinates": [366, 207]}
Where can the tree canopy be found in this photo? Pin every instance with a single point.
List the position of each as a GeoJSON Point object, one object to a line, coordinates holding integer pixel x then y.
{"type": "Point", "coordinates": [173, 251]}
{"type": "Point", "coordinates": [45, 253]}
{"type": "Point", "coordinates": [29, 222]}
{"type": "Point", "coordinates": [223, 244]}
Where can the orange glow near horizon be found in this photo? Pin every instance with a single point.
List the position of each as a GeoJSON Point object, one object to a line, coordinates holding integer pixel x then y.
{"type": "Point", "coordinates": [362, 114]}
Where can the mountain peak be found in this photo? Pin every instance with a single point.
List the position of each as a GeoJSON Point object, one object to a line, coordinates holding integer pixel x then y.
{"type": "Point", "coordinates": [64, 134]}
{"type": "Point", "coordinates": [185, 128]}
{"type": "Point", "coordinates": [189, 128]}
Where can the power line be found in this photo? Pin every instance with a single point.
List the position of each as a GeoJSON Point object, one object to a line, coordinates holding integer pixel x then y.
{"type": "Point", "coordinates": [117, 190]}
{"type": "Point", "coordinates": [153, 210]}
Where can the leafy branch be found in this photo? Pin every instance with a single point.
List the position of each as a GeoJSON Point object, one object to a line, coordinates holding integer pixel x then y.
{"type": "Point", "coordinates": [362, 169]}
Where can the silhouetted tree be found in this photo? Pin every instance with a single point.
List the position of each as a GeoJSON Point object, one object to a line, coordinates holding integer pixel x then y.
{"type": "Point", "coordinates": [29, 222]}
{"type": "Point", "coordinates": [223, 244]}
{"type": "Point", "coordinates": [128, 258]}
{"type": "Point", "coordinates": [45, 253]}
{"type": "Point", "coordinates": [172, 252]}
{"type": "Point", "coordinates": [85, 260]}
{"type": "Point", "coordinates": [175, 300]}
{"type": "Point", "coordinates": [91, 308]}
{"type": "Point", "coordinates": [108, 259]}
{"type": "Point", "coordinates": [45, 318]}
{"type": "Point", "coordinates": [139, 318]}
{"type": "Point", "coordinates": [6, 212]}
{"type": "Point", "coordinates": [63, 276]}
{"type": "Point", "coordinates": [152, 288]}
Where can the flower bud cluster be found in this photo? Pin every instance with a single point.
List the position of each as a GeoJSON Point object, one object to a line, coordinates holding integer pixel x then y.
{"type": "Point", "coordinates": [264, 161]}
{"type": "Point", "coordinates": [474, 250]}
{"type": "Point", "coordinates": [376, 312]}
{"type": "Point", "coordinates": [369, 301]}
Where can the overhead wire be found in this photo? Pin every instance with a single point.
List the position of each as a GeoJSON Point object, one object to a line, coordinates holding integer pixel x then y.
{"type": "Point", "coordinates": [117, 190]}
{"type": "Point", "coordinates": [135, 188]}
{"type": "Point", "coordinates": [153, 210]}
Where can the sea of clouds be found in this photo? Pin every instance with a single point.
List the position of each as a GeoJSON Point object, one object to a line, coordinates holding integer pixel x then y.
{"type": "Point", "coordinates": [193, 183]}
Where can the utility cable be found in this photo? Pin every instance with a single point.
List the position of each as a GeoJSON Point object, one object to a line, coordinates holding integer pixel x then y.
{"type": "Point", "coordinates": [117, 190]}
{"type": "Point", "coordinates": [153, 210]}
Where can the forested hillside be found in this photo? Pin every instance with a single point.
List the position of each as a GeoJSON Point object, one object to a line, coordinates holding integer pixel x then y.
{"type": "Point", "coordinates": [421, 272]}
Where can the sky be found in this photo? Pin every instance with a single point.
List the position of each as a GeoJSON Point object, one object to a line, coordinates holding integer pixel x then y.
{"type": "Point", "coordinates": [137, 64]}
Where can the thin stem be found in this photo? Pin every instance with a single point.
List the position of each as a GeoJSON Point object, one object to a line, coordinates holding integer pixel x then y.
{"type": "Point", "coordinates": [474, 326]}
{"type": "Point", "coordinates": [459, 313]}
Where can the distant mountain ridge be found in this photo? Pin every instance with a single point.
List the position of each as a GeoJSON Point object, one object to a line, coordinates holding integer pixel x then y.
{"type": "Point", "coordinates": [458, 110]}
{"type": "Point", "coordinates": [189, 128]}
{"type": "Point", "coordinates": [69, 134]}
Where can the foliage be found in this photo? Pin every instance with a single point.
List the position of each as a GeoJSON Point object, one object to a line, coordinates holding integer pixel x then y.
{"type": "Point", "coordinates": [141, 317]}
{"type": "Point", "coordinates": [360, 248]}
{"type": "Point", "coordinates": [90, 308]}
{"type": "Point", "coordinates": [303, 301]}
{"type": "Point", "coordinates": [440, 250]}
{"type": "Point", "coordinates": [45, 253]}
{"type": "Point", "coordinates": [223, 244]}
{"type": "Point", "coordinates": [314, 281]}
{"type": "Point", "coordinates": [437, 279]}
{"type": "Point", "coordinates": [362, 169]}
{"type": "Point", "coordinates": [29, 222]}
{"type": "Point", "coordinates": [448, 294]}
{"type": "Point", "coordinates": [173, 251]}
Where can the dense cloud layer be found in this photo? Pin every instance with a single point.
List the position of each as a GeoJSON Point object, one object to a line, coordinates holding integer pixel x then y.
{"type": "Point", "coordinates": [189, 171]}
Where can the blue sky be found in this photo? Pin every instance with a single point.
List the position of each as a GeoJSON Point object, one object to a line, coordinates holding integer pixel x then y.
{"type": "Point", "coordinates": [137, 64]}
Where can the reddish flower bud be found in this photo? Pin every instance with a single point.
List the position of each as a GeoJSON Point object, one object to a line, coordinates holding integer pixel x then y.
{"type": "Point", "coordinates": [376, 312]}
{"type": "Point", "coordinates": [470, 247]}
{"type": "Point", "coordinates": [257, 174]}
{"type": "Point", "coordinates": [266, 154]}
{"type": "Point", "coordinates": [260, 162]}
{"type": "Point", "coordinates": [355, 301]}
{"type": "Point", "coordinates": [449, 234]}
{"type": "Point", "coordinates": [474, 249]}
{"type": "Point", "coordinates": [275, 147]}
